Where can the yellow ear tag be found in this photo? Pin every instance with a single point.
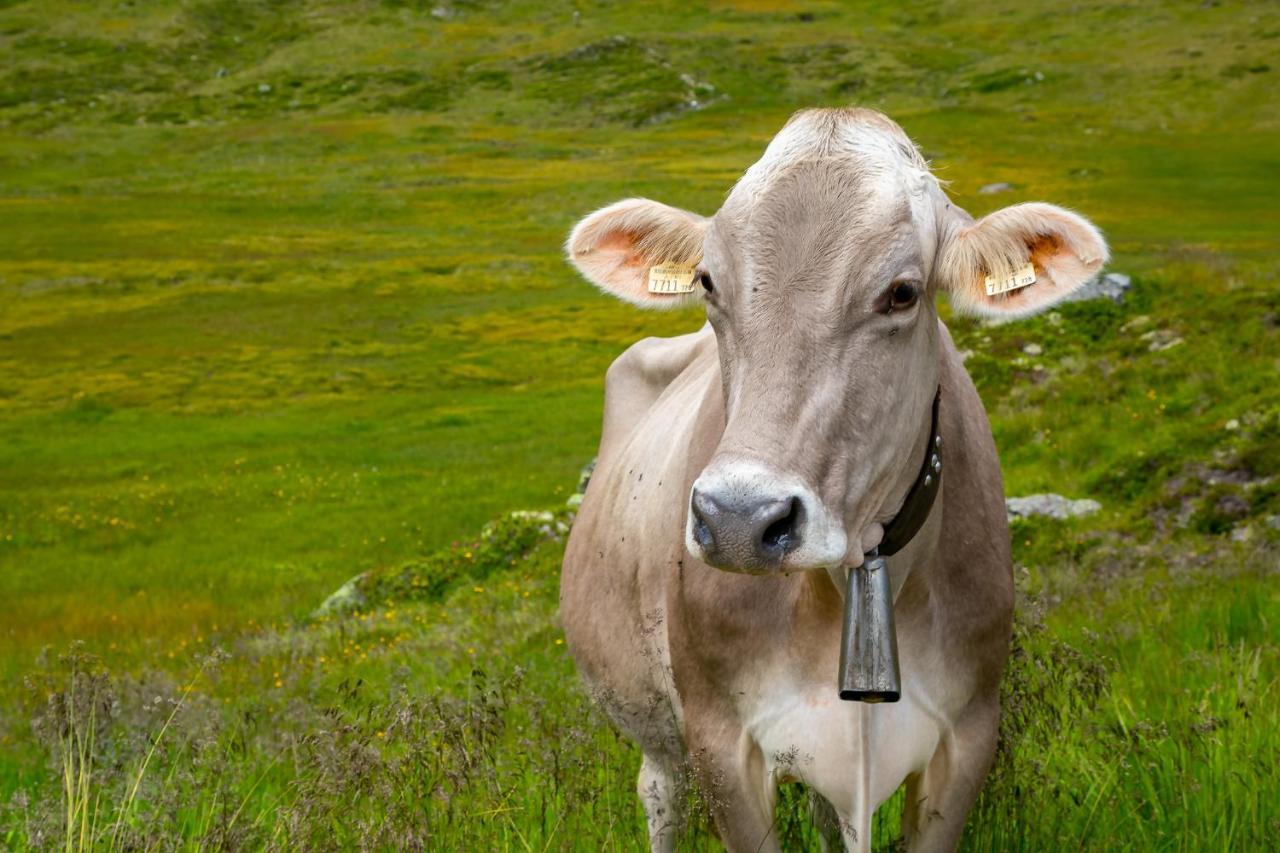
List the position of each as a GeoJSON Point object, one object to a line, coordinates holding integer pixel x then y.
{"type": "Point", "coordinates": [1022, 277]}
{"type": "Point", "coordinates": [671, 278]}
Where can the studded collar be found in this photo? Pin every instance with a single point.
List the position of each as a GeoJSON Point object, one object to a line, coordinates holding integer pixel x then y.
{"type": "Point", "coordinates": [915, 509]}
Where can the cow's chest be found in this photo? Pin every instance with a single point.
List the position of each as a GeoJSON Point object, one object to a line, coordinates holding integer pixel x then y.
{"type": "Point", "coordinates": [765, 651]}
{"type": "Point", "coordinates": [849, 752]}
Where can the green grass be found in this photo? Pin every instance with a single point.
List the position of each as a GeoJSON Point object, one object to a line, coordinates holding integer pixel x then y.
{"type": "Point", "coordinates": [1142, 718]}
{"type": "Point", "coordinates": [281, 302]}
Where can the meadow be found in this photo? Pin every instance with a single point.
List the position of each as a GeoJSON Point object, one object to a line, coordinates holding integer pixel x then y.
{"type": "Point", "coordinates": [282, 302]}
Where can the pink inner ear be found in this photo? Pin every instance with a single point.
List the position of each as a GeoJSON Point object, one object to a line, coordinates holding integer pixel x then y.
{"type": "Point", "coordinates": [1044, 250]}
{"type": "Point", "coordinates": [621, 243]}
{"type": "Point", "coordinates": [1056, 260]}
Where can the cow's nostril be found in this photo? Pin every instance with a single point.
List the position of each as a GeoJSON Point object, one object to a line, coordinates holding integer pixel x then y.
{"type": "Point", "coordinates": [704, 508]}
{"type": "Point", "coordinates": [702, 533]}
{"type": "Point", "coordinates": [780, 536]}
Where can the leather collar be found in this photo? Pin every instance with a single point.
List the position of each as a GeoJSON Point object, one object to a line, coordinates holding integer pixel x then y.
{"type": "Point", "coordinates": [915, 509]}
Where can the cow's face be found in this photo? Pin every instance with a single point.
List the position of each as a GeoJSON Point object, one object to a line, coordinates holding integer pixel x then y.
{"type": "Point", "coordinates": [818, 275]}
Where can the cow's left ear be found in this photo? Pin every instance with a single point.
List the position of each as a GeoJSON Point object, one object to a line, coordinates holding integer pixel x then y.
{"type": "Point", "coordinates": [615, 247]}
{"type": "Point", "coordinates": [984, 264]}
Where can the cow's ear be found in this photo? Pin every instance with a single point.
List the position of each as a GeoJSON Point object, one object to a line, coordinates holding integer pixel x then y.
{"type": "Point", "coordinates": [984, 264]}
{"type": "Point", "coordinates": [615, 247]}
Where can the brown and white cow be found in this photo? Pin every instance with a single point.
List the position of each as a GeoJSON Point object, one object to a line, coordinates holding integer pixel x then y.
{"type": "Point", "coordinates": [743, 468]}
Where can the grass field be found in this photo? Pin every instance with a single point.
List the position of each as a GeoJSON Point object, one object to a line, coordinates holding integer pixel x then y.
{"type": "Point", "coordinates": [281, 301]}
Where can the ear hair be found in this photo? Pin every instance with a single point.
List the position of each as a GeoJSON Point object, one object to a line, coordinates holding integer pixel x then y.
{"type": "Point", "coordinates": [614, 247]}
{"type": "Point", "coordinates": [1065, 249]}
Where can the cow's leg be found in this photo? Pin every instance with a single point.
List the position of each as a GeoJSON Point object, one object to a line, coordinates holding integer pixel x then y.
{"type": "Point", "coordinates": [939, 798]}
{"type": "Point", "coordinates": [855, 824]}
{"type": "Point", "coordinates": [827, 821]}
{"type": "Point", "coordinates": [839, 772]}
{"type": "Point", "coordinates": [741, 795]}
{"type": "Point", "coordinates": [743, 812]}
{"type": "Point", "coordinates": [661, 791]}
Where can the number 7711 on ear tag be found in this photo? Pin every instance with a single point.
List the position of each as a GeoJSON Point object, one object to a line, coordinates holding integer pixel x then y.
{"type": "Point", "coordinates": [671, 278]}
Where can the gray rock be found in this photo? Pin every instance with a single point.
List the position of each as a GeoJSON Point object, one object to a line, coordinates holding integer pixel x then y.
{"type": "Point", "coordinates": [1112, 285]}
{"type": "Point", "coordinates": [1242, 533]}
{"type": "Point", "coordinates": [347, 599]}
{"type": "Point", "coordinates": [1051, 505]}
{"type": "Point", "coordinates": [992, 189]}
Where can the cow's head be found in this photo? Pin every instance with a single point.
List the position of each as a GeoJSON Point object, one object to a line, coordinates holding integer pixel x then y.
{"type": "Point", "coordinates": [819, 275]}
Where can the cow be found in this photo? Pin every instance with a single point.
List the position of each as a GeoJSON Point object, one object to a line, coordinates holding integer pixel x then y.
{"type": "Point", "coordinates": [744, 468]}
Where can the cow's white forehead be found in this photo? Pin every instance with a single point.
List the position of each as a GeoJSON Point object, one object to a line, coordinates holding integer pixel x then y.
{"type": "Point", "coordinates": [887, 163]}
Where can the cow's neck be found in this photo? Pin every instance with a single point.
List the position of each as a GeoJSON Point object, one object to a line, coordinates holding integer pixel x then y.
{"type": "Point", "coordinates": [921, 494]}
{"type": "Point", "coordinates": [918, 482]}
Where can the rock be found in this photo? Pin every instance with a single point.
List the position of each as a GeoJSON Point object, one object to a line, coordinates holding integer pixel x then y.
{"type": "Point", "coordinates": [1072, 364]}
{"type": "Point", "coordinates": [1243, 533]}
{"type": "Point", "coordinates": [347, 599]}
{"type": "Point", "coordinates": [1051, 505]}
{"type": "Point", "coordinates": [1159, 340]}
{"type": "Point", "coordinates": [992, 189]}
{"type": "Point", "coordinates": [1112, 285]}
{"type": "Point", "coordinates": [1032, 349]}
{"type": "Point", "coordinates": [1231, 506]}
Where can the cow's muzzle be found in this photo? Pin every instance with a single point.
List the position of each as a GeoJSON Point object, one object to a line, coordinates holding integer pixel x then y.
{"type": "Point", "coordinates": [745, 518]}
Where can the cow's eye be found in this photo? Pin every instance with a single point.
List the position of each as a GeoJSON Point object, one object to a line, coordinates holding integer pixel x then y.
{"type": "Point", "coordinates": [902, 295]}
{"type": "Point", "coordinates": [704, 278]}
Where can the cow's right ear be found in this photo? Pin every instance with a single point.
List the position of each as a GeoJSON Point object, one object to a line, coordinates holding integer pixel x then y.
{"type": "Point", "coordinates": [615, 247]}
{"type": "Point", "coordinates": [1019, 260]}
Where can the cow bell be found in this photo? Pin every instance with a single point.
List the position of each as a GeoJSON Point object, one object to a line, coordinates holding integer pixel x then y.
{"type": "Point", "coordinates": [869, 646]}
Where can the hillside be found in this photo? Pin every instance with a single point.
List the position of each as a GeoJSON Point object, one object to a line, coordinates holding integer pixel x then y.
{"type": "Point", "coordinates": [281, 302]}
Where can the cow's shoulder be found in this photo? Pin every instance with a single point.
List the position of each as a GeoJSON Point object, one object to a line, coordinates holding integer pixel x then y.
{"type": "Point", "coordinates": [637, 378]}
